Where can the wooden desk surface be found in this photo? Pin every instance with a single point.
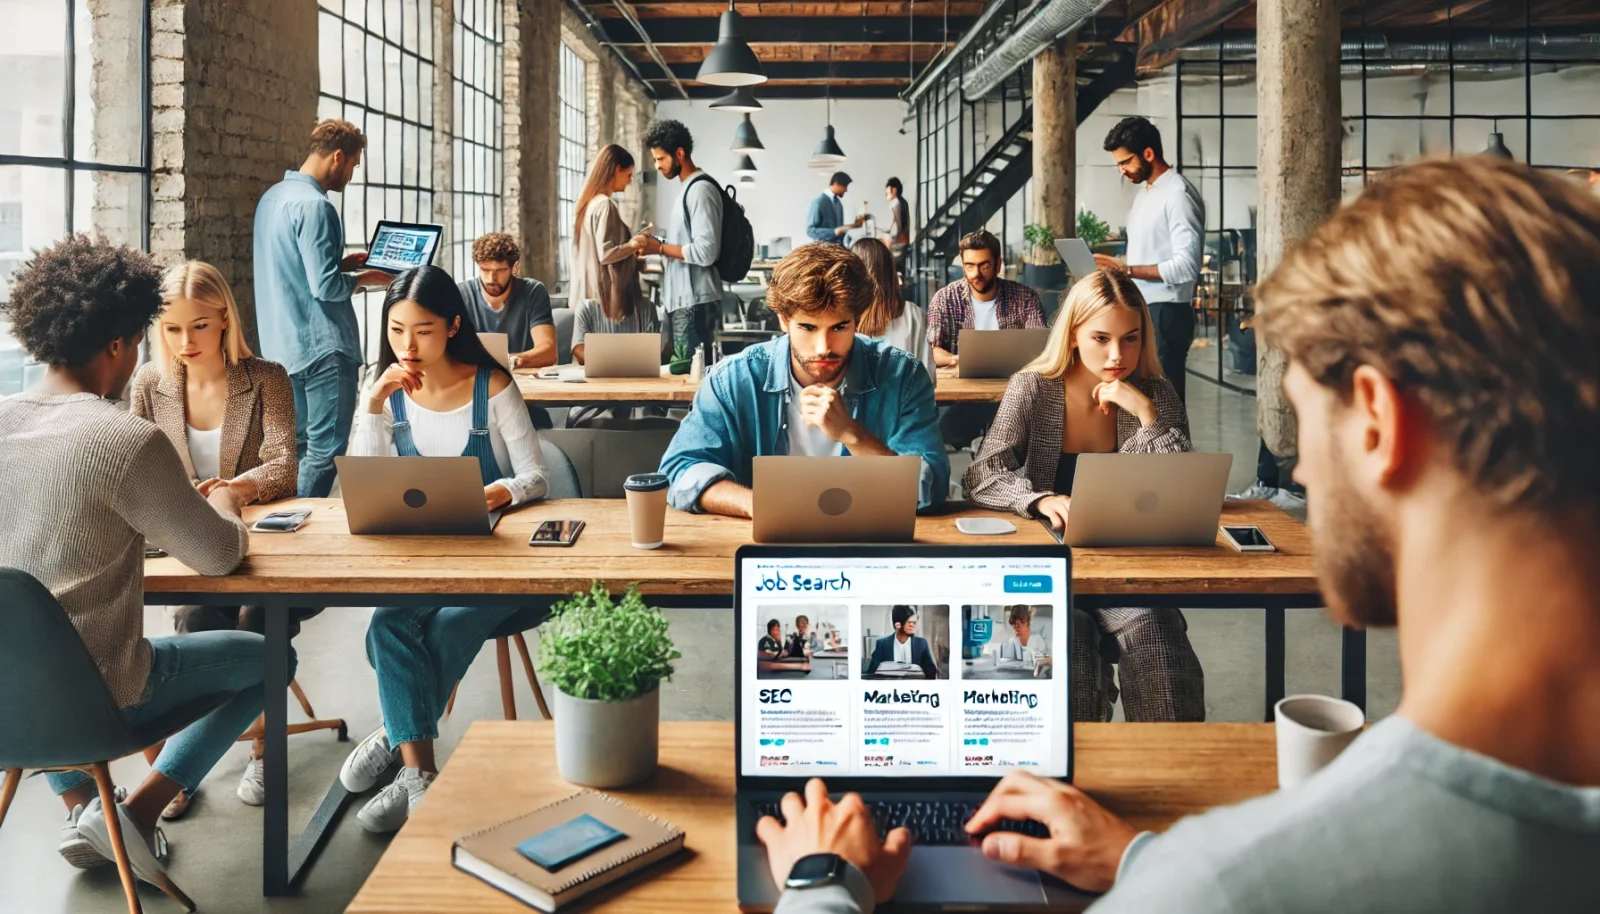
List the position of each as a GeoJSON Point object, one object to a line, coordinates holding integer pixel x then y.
{"type": "Point", "coordinates": [678, 389]}
{"type": "Point", "coordinates": [323, 558]}
{"type": "Point", "coordinates": [1151, 774]}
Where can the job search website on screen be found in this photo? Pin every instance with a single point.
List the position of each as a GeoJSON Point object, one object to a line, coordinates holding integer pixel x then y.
{"type": "Point", "coordinates": [903, 667]}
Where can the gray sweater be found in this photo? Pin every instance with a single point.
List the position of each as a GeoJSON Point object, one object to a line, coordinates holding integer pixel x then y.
{"type": "Point", "coordinates": [85, 483]}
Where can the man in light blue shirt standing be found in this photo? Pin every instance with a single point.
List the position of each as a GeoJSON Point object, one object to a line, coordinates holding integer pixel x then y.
{"type": "Point", "coordinates": [690, 286]}
{"type": "Point", "coordinates": [303, 289]}
{"type": "Point", "coordinates": [825, 221]}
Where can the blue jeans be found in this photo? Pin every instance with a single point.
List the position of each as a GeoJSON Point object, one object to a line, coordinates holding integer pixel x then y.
{"type": "Point", "coordinates": [324, 408]}
{"type": "Point", "coordinates": [420, 655]}
{"type": "Point", "coordinates": [184, 669]}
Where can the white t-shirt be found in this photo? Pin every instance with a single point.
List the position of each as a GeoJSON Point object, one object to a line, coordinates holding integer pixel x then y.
{"type": "Point", "coordinates": [902, 650]}
{"type": "Point", "coordinates": [804, 440]}
{"type": "Point", "coordinates": [1013, 649]}
{"type": "Point", "coordinates": [205, 452]}
{"type": "Point", "coordinates": [983, 314]}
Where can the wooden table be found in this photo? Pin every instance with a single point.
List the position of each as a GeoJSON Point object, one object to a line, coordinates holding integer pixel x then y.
{"type": "Point", "coordinates": [678, 390]}
{"type": "Point", "coordinates": [322, 565]}
{"type": "Point", "coordinates": [1150, 774]}
{"type": "Point", "coordinates": [951, 389]}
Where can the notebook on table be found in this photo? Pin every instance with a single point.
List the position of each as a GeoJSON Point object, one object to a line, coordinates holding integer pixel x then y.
{"type": "Point", "coordinates": [563, 851]}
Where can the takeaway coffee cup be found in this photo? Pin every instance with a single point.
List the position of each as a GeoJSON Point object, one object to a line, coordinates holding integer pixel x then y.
{"type": "Point", "coordinates": [647, 508]}
{"type": "Point", "coordinates": [1312, 731]}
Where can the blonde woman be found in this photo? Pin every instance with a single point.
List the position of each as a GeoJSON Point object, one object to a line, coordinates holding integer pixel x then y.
{"type": "Point", "coordinates": [1097, 388]}
{"type": "Point", "coordinates": [230, 416]}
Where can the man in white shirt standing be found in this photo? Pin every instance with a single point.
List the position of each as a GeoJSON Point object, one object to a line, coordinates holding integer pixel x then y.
{"type": "Point", "coordinates": [1166, 238]}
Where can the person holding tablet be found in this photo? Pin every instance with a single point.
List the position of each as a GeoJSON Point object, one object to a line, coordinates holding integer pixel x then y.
{"type": "Point", "coordinates": [439, 393]}
{"type": "Point", "coordinates": [1097, 388]}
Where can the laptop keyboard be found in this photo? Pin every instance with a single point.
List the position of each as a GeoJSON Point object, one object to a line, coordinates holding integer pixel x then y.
{"type": "Point", "coordinates": [930, 822]}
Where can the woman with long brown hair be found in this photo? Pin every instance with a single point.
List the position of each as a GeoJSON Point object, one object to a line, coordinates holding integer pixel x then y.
{"type": "Point", "coordinates": [605, 267]}
{"type": "Point", "coordinates": [891, 318]}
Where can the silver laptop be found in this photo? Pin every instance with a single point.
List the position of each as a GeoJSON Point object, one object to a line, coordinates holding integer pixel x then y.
{"type": "Point", "coordinates": [835, 499]}
{"type": "Point", "coordinates": [997, 353]}
{"type": "Point", "coordinates": [426, 496]}
{"type": "Point", "coordinates": [1076, 255]}
{"type": "Point", "coordinates": [499, 346]}
{"type": "Point", "coordinates": [964, 733]}
{"type": "Point", "coordinates": [622, 355]}
{"type": "Point", "coordinates": [1147, 499]}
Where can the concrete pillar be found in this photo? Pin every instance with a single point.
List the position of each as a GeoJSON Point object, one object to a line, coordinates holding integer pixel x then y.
{"type": "Point", "coordinates": [443, 154]}
{"type": "Point", "coordinates": [1055, 141]}
{"type": "Point", "coordinates": [1297, 129]}
{"type": "Point", "coordinates": [533, 81]}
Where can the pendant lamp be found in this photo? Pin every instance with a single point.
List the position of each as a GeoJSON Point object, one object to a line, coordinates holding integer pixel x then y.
{"type": "Point", "coordinates": [745, 167]}
{"type": "Point", "coordinates": [827, 154]}
{"type": "Point", "coordinates": [747, 181]}
{"type": "Point", "coordinates": [1497, 144]}
{"type": "Point", "coordinates": [737, 101]}
{"type": "Point", "coordinates": [731, 62]}
{"type": "Point", "coordinates": [745, 139]}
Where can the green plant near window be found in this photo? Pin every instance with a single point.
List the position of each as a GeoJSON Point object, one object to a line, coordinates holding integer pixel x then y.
{"type": "Point", "coordinates": [606, 651]}
{"type": "Point", "coordinates": [1091, 228]}
{"type": "Point", "coordinates": [1043, 240]}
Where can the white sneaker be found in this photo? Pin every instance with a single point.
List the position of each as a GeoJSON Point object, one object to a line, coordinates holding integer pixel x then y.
{"type": "Point", "coordinates": [143, 846]}
{"type": "Point", "coordinates": [1290, 502]}
{"type": "Point", "coordinates": [393, 805]}
{"type": "Point", "coordinates": [253, 786]}
{"type": "Point", "coordinates": [74, 847]}
{"type": "Point", "coordinates": [370, 758]}
{"type": "Point", "coordinates": [1258, 491]}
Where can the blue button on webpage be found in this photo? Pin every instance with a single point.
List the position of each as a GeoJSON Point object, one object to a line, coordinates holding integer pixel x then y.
{"type": "Point", "coordinates": [1027, 583]}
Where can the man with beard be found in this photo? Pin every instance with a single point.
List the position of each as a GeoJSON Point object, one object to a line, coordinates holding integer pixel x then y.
{"type": "Point", "coordinates": [1166, 238]}
{"type": "Point", "coordinates": [1443, 334]}
{"type": "Point", "coordinates": [303, 288]}
{"type": "Point", "coordinates": [500, 301]}
{"type": "Point", "coordinates": [691, 291]}
{"type": "Point", "coordinates": [818, 391]}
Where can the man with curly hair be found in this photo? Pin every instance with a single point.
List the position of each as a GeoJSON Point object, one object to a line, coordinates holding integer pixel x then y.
{"type": "Point", "coordinates": [303, 288]}
{"type": "Point", "coordinates": [691, 290]}
{"type": "Point", "coordinates": [500, 301]}
{"type": "Point", "coordinates": [87, 484]}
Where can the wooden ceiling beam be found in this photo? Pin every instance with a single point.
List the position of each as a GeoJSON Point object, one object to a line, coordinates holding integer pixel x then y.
{"type": "Point", "coordinates": [799, 53]}
{"type": "Point", "coordinates": [711, 9]}
{"type": "Point", "coordinates": [1180, 22]}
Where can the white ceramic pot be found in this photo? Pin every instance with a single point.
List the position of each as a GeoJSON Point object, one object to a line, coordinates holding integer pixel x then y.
{"type": "Point", "coordinates": [607, 743]}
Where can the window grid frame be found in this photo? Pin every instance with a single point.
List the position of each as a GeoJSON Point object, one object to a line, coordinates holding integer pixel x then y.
{"type": "Point", "coordinates": [479, 209]}
{"type": "Point", "coordinates": [572, 160]}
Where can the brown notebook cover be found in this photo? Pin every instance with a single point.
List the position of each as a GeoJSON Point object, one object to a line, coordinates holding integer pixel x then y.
{"type": "Point", "coordinates": [491, 854]}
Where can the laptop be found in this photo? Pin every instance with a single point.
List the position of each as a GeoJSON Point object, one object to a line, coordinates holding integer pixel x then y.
{"type": "Point", "coordinates": [400, 246]}
{"type": "Point", "coordinates": [1076, 255]}
{"type": "Point", "coordinates": [499, 346]}
{"type": "Point", "coordinates": [835, 499]}
{"type": "Point", "coordinates": [973, 724]}
{"type": "Point", "coordinates": [997, 353]}
{"type": "Point", "coordinates": [622, 355]}
{"type": "Point", "coordinates": [418, 496]}
{"type": "Point", "coordinates": [1147, 499]}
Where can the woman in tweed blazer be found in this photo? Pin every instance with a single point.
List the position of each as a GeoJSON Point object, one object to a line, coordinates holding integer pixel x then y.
{"type": "Point", "coordinates": [1097, 388]}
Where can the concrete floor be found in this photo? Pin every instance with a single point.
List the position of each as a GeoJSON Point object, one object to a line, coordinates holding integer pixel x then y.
{"type": "Point", "coordinates": [217, 848]}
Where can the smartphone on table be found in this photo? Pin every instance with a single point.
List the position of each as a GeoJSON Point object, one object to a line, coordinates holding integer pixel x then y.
{"type": "Point", "coordinates": [282, 521]}
{"type": "Point", "coordinates": [556, 533]}
{"type": "Point", "coordinates": [1247, 539]}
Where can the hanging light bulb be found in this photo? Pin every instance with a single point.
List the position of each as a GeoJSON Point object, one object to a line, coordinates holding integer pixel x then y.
{"type": "Point", "coordinates": [739, 100]}
{"type": "Point", "coordinates": [1497, 144]}
{"type": "Point", "coordinates": [731, 62]}
{"type": "Point", "coordinates": [745, 167]}
{"type": "Point", "coordinates": [745, 139]}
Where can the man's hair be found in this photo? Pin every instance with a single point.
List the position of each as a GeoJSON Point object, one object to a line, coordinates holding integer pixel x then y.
{"type": "Point", "coordinates": [1019, 613]}
{"type": "Point", "coordinates": [495, 247]}
{"type": "Point", "coordinates": [1472, 285]}
{"type": "Point", "coordinates": [773, 623]}
{"type": "Point", "coordinates": [73, 299]}
{"type": "Point", "coordinates": [802, 618]}
{"type": "Point", "coordinates": [902, 613]}
{"type": "Point", "coordinates": [981, 240]}
{"type": "Point", "coordinates": [1135, 134]}
{"type": "Point", "coordinates": [895, 183]}
{"type": "Point", "coordinates": [669, 137]}
{"type": "Point", "coordinates": [334, 135]}
{"type": "Point", "coordinates": [816, 278]}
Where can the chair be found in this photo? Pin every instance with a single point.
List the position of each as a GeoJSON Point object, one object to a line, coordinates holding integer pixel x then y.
{"type": "Point", "coordinates": [563, 484]}
{"type": "Point", "coordinates": [564, 319]}
{"type": "Point", "coordinates": [69, 721]}
{"type": "Point", "coordinates": [605, 457]}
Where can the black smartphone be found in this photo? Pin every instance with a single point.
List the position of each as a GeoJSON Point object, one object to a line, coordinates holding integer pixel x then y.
{"type": "Point", "coordinates": [154, 552]}
{"type": "Point", "coordinates": [1248, 539]}
{"type": "Point", "coordinates": [282, 521]}
{"type": "Point", "coordinates": [556, 533]}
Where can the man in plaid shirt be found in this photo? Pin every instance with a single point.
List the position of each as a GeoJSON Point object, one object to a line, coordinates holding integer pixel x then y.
{"type": "Point", "coordinates": [982, 301]}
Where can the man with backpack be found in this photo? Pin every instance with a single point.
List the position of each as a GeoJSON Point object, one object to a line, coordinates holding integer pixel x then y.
{"type": "Point", "coordinates": [692, 286]}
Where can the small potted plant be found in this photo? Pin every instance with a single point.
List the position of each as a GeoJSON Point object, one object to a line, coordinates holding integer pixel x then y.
{"type": "Point", "coordinates": [1044, 269]}
{"type": "Point", "coordinates": [681, 358]}
{"type": "Point", "coordinates": [607, 661]}
{"type": "Point", "coordinates": [1092, 229]}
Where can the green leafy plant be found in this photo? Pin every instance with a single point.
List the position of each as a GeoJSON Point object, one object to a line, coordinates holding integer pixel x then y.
{"type": "Point", "coordinates": [597, 649]}
{"type": "Point", "coordinates": [1091, 228]}
{"type": "Point", "coordinates": [679, 364]}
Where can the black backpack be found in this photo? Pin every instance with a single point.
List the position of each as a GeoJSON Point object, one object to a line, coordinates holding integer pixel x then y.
{"type": "Point", "coordinates": [736, 248]}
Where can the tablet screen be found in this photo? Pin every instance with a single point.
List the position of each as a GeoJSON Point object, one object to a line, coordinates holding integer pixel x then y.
{"type": "Point", "coordinates": [398, 246]}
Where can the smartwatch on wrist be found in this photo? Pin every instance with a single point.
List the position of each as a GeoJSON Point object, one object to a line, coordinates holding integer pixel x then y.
{"type": "Point", "coordinates": [816, 870]}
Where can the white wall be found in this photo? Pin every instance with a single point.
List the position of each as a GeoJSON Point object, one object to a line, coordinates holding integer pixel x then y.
{"type": "Point", "coordinates": [868, 130]}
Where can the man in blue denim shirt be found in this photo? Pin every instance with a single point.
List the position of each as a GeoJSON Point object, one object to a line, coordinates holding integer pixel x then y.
{"type": "Point", "coordinates": [303, 289]}
{"type": "Point", "coordinates": [819, 391]}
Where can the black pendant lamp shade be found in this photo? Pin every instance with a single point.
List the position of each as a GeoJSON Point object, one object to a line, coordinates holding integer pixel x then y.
{"type": "Point", "coordinates": [745, 167]}
{"type": "Point", "coordinates": [731, 62]}
{"type": "Point", "coordinates": [740, 100]}
{"type": "Point", "coordinates": [745, 139]}
{"type": "Point", "coordinates": [828, 151]}
{"type": "Point", "coordinates": [1497, 146]}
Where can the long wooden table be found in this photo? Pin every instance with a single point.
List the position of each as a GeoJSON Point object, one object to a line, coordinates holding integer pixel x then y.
{"type": "Point", "coordinates": [678, 390]}
{"type": "Point", "coordinates": [322, 565]}
{"type": "Point", "coordinates": [1150, 774]}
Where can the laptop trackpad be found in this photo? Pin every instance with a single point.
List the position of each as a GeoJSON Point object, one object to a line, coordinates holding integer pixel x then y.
{"type": "Point", "coordinates": [962, 875]}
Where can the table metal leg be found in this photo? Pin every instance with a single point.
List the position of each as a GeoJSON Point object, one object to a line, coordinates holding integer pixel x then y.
{"type": "Point", "coordinates": [1275, 653]}
{"type": "Point", "coordinates": [275, 814]}
{"type": "Point", "coordinates": [1353, 667]}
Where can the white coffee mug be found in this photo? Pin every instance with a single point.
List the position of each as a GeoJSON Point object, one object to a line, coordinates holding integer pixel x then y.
{"type": "Point", "coordinates": [1312, 731]}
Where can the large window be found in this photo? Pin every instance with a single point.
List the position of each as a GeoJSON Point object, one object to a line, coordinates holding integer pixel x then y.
{"type": "Point", "coordinates": [574, 149]}
{"type": "Point", "coordinates": [74, 129]}
{"type": "Point", "coordinates": [479, 83]}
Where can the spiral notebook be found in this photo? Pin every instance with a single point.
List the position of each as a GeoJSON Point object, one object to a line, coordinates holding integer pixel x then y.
{"type": "Point", "coordinates": [493, 854]}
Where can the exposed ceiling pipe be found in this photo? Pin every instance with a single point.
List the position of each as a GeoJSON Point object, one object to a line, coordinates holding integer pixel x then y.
{"type": "Point", "coordinates": [655, 54]}
{"type": "Point", "coordinates": [1052, 20]}
{"type": "Point", "coordinates": [1470, 46]}
{"type": "Point", "coordinates": [599, 33]}
{"type": "Point", "coordinates": [930, 74]}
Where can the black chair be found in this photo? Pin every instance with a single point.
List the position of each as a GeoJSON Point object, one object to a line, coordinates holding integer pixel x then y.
{"type": "Point", "coordinates": [60, 716]}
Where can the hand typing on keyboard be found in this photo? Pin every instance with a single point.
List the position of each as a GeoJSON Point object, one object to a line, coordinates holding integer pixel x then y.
{"type": "Point", "coordinates": [1081, 842]}
{"type": "Point", "coordinates": [817, 825]}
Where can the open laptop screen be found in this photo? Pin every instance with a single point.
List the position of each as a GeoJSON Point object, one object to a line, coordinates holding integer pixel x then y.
{"type": "Point", "coordinates": [399, 246]}
{"type": "Point", "coordinates": [909, 661]}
